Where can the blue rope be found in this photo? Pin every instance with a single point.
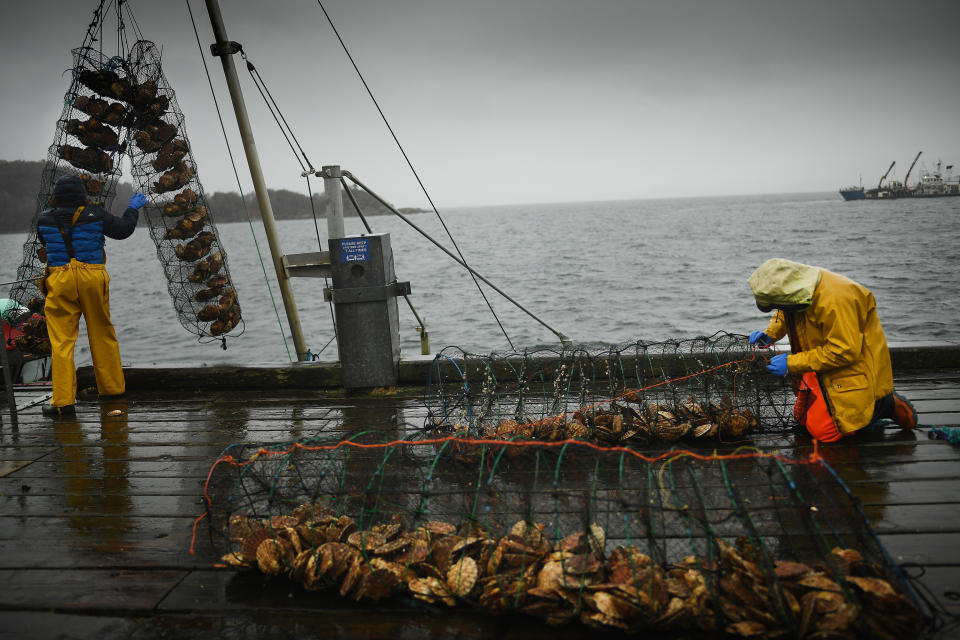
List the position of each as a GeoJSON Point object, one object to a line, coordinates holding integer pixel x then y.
{"type": "Point", "coordinates": [950, 434]}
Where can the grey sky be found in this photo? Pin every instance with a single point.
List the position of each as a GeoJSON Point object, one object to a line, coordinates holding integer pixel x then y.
{"type": "Point", "coordinates": [541, 100]}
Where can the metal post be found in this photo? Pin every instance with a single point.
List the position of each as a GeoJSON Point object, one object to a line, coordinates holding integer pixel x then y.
{"type": "Point", "coordinates": [253, 161]}
{"type": "Point", "coordinates": [8, 382]}
{"type": "Point", "coordinates": [331, 187]}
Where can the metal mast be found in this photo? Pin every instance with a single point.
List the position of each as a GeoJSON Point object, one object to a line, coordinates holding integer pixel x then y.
{"type": "Point", "coordinates": [224, 49]}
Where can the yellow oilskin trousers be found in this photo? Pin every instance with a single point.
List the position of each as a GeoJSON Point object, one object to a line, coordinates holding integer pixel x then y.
{"type": "Point", "coordinates": [73, 289]}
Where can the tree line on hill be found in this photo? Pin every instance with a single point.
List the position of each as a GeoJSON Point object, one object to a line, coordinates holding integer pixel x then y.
{"type": "Point", "coordinates": [20, 182]}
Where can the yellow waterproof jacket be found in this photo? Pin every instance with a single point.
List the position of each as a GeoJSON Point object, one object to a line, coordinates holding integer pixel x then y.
{"type": "Point", "coordinates": [840, 337]}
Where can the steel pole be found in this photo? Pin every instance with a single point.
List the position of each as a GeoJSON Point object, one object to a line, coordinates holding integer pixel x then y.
{"type": "Point", "coordinates": [331, 187]}
{"type": "Point", "coordinates": [259, 186]}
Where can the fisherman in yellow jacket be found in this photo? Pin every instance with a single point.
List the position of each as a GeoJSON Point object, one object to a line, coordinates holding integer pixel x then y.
{"type": "Point", "coordinates": [839, 351]}
{"type": "Point", "coordinates": [76, 282]}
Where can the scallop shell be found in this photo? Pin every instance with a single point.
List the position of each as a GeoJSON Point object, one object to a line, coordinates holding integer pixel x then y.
{"type": "Point", "coordinates": [251, 541]}
{"type": "Point", "coordinates": [273, 556]}
{"type": "Point", "coordinates": [705, 430]}
{"type": "Point", "coordinates": [462, 577]}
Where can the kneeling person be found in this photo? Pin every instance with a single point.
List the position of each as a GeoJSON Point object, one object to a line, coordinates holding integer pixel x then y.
{"type": "Point", "coordinates": [837, 347]}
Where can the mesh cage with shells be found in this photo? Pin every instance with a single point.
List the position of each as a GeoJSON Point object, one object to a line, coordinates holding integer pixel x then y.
{"type": "Point", "coordinates": [188, 246]}
{"type": "Point", "coordinates": [753, 546]}
{"type": "Point", "coordinates": [88, 142]}
{"type": "Point", "coordinates": [709, 388]}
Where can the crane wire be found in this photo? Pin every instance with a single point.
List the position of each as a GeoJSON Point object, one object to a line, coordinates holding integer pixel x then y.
{"type": "Point", "coordinates": [286, 129]}
{"type": "Point", "coordinates": [288, 134]}
{"type": "Point", "coordinates": [283, 334]}
{"type": "Point", "coordinates": [415, 174]}
{"type": "Point", "coordinates": [276, 113]}
{"type": "Point", "coordinates": [564, 340]}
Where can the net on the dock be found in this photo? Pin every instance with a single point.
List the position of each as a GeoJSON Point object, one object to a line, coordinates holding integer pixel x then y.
{"type": "Point", "coordinates": [700, 389]}
{"type": "Point", "coordinates": [124, 106]}
{"type": "Point", "coordinates": [752, 544]}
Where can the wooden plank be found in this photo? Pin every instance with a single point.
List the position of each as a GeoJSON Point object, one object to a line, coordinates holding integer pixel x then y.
{"type": "Point", "coordinates": [930, 549]}
{"type": "Point", "coordinates": [8, 467]}
{"type": "Point", "coordinates": [915, 518]}
{"type": "Point", "coordinates": [86, 589]}
{"type": "Point", "coordinates": [48, 625]}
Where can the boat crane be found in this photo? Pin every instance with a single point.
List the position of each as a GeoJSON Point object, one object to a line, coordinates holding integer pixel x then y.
{"type": "Point", "coordinates": [906, 183]}
{"type": "Point", "coordinates": [884, 176]}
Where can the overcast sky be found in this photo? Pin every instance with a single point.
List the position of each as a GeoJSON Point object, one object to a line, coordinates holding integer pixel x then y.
{"type": "Point", "coordinates": [516, 101]}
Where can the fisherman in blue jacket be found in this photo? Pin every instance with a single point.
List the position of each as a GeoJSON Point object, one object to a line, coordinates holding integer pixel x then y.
{"type": "Point", "coordinates": [77, 283]}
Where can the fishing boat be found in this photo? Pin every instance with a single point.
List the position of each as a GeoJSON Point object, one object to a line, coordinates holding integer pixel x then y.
{"type": "Point", "coordinates": [936, 183]}
{"type": "Point", "coordinates": [853, 193]}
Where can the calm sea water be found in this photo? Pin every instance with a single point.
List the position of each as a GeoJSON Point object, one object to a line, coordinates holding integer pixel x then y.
{"type": "Point", "coordinates": [600, 272]}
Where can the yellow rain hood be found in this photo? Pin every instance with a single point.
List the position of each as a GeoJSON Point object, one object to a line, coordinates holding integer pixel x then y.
{"type": "Point", "coordinates": [782, 283]}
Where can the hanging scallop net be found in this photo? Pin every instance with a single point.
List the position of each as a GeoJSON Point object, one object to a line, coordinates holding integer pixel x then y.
{"type": "Point", "coordinates": [118, 106]}
{"type": "Point", "coordinates": [188, 246]}
{"type": "Point", "coordinates": [87, 143]}
{"type": "Point", "coordinates": [701, 389]}
{"type": "Point", "coordinates": [749, 544]}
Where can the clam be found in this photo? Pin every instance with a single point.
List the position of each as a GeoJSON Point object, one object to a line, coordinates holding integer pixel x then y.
{"type": "Point", "coordinates": [250, 543]}
{"type": "Point", "coordinates": [530, 533]}
{"type": "Point", "coordinates": [274, 556]}
{"type": "Point", "coordinates": [705, 430]}
{"type": "Point", "coordinates": [393, 527]}
{"type": "Point", "coordinates": [746, 629]}
{"type": "Point", "coordinates": [235, 560]}
{"type": "Point", "coordinates": [357, 570]}
{"type": "Point", "coordinates": [819, 582]}
{"type": "Point", "coordinates": [462, 577]}
{"type": "Point", "coordinates": [366, 540]}
{"type": "Point", "coordinates": [576, 430]}
{"type": "Point", "coordinates": [392, 546]}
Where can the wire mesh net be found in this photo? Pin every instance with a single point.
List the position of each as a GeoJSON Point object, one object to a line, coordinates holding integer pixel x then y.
{"type": "Point", "coordinates": [753, 544]}
{"type": "Point", "coordinates": [181, 224]}
{"type": "Point", "coordinates": [125, 106]}
{"type": "Point", "coordinates": [699, 389]}
{"type": "Point", "coordinates": [87, 142]}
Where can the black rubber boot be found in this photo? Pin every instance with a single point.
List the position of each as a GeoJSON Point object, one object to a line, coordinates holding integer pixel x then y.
{"type": "Point", "coordinates": [56, 412]}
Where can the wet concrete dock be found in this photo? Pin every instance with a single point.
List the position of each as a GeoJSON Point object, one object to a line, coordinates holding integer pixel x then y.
{"type": "Point", "coordinates": [97, 514]}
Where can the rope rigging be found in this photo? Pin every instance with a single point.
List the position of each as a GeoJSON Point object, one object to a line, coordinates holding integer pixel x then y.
{"type": "Point", "coordinates": [236, 174]}
{"type": "Point", "coordinates": [406, 158]}
{"type": "Point", "coordinates": [307, 167]}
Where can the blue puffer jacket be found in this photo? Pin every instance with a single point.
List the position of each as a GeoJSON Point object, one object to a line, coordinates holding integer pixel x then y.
{"type": "Point", "coordinates": [87, 234]}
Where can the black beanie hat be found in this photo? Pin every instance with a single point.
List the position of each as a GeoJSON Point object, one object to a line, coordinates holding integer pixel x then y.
{"type": "Point", "coordinates": [69, 192]}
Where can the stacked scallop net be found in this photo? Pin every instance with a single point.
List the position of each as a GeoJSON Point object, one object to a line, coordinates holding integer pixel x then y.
{"type": "Point", "coordinates": [705, 389]}
{"type": "Point", "coordinates": [124, 106]}
{"type": "Point", "coordinates": [750, 545]}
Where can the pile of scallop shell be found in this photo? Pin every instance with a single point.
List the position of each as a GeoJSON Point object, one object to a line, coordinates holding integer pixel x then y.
{"type": "Point", "coordinates": [574, 578]}
{"type": "Point", "coordinates": [35, 339]}
{"type": "Point", "coordinates": [621, 423]}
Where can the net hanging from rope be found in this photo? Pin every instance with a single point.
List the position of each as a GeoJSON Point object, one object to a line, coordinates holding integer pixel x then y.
{"type": "Point", "coordinates": [124, 107]}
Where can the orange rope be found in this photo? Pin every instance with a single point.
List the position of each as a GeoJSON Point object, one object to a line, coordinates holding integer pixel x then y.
{"type": "Point", "coordinates": [667, 455]}
{"type": "Point", "coordinates": [262, 451]}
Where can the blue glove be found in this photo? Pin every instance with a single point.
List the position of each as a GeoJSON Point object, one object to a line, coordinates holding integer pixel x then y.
{"type": "Point", "coordinates": [760, 339]}
{"type": "Point", "coordinates": [778, 365]}
{"type": "Point", "coordinates": [137, 200]}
